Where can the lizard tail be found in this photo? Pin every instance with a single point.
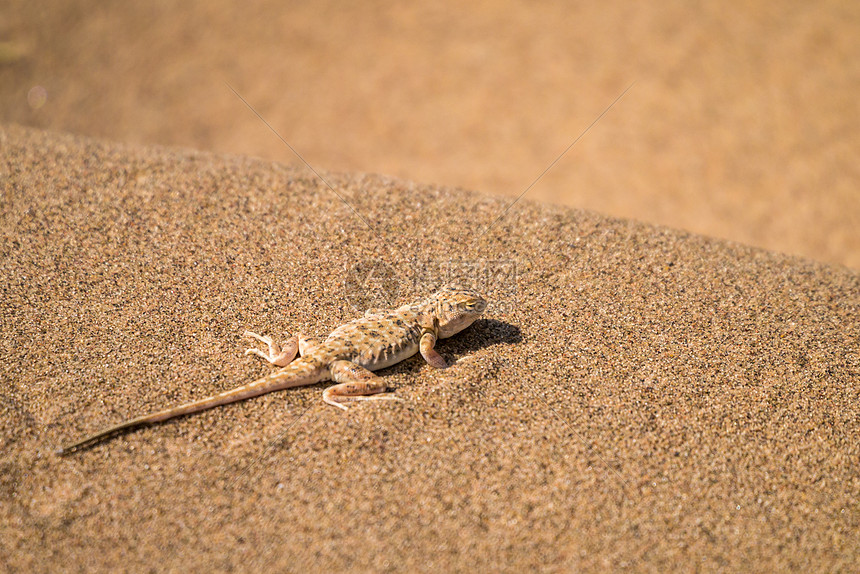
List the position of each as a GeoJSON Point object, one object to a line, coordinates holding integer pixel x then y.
{"type": "Point", "coordinates": [297, 374]}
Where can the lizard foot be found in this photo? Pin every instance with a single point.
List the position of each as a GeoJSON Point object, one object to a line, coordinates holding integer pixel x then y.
{"type": "Point", "coordinates": [276, 355]}
{"type": "Point", "coordinates": [338, 400]}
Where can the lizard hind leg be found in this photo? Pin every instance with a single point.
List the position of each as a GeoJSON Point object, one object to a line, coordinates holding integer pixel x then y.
{"type": "Point", "coordinates": [355, 383]}
{"type": "Point", "coordinates": [278, 356]}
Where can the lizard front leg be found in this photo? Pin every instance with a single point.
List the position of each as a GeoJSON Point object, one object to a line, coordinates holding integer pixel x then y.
{"type": "Point", "coordinates": [355, 383]}
{"type": "Point", "coordinates": [434, 359]}
{"type": "Point", "coordinates": [276, 355]}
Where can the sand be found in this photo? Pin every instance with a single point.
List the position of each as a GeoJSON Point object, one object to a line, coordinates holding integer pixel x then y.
{"type": "Point", "coordinates": [743, 121]}
{"type": "Point", "coordinates": [635, 398]}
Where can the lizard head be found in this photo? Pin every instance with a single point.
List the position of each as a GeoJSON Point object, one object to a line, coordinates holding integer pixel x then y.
{"type": "Point", "coordinates": [455, 308]}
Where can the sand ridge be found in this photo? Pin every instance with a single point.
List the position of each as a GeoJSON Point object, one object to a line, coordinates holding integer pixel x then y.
{"type": "Point", "coordinates": [743, 122]}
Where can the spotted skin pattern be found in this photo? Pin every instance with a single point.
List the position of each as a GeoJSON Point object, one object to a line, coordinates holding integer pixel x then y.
{"type": "Point", "coordinates": [347, 356]}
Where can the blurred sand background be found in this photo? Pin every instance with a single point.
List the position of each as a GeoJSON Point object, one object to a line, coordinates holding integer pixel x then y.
{"type": "Point", "coordinates": [743, 122]}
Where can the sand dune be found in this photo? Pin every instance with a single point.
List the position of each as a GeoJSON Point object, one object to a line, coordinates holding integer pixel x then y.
{"type": "Point", "coordinates": [635, 397]}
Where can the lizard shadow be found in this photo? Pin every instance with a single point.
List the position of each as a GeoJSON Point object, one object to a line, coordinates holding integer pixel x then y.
{"type": "Point", "coordinates": [482, 334]}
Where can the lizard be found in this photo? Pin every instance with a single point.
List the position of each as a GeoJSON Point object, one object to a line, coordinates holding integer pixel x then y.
{"type": "Point", "coordinates": [348, 356]}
